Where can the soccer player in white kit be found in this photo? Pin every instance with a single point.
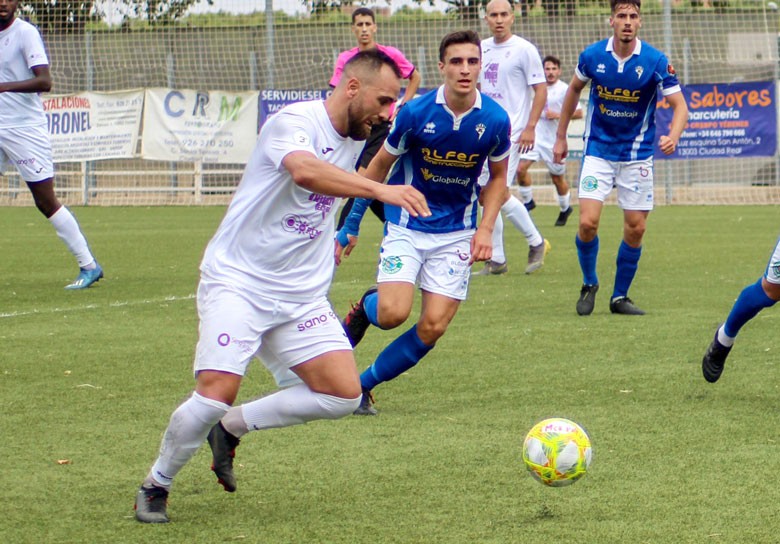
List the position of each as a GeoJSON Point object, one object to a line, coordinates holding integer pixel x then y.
{"type": "Point", "coordinates": [545, 140]}
{"type": "Point", "coordinates": [24, 136]}
{"type": "Point", "coordinates": [265, 276]}
{"type": "Point", "coordinates": [764, 293]}
{"type": "Point", "coordinates": [511, 73]}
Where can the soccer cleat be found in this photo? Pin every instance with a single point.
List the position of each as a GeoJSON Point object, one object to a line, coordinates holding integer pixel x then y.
{"type": "Point", "coordinates": [587, 299]}
{"type": "Point", "coordinates": [625, 306]}
{"type": "Point", "coordinates": [86, 278]}
{"type": "Point", "coordinates": [530, 205]}
{"type": "Point", "coordinates": [151, 504]}
{"type": "Point", "coordinates": [356, 323]}
{"type": "Point", "coordinates": [366, 402]}
{"type": "Point", "coordinates": [562, 217]}
{"type": "Point", "coordinates": [536, 256]}
{"type": "Point", "coordinates": [714, 360]}
{"type": "Point", "coordinates": [223, 450]}
{"type": "Point", "coordinates": [492, 267]}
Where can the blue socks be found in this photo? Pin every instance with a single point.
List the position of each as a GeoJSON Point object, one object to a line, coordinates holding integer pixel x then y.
{"type": "Point", "coordinates": [627, 262]}
{"type": "Point", "coordinates": [370, 304]}
{"type": "Point", "coordinates": [402, 354]}
{"type": "Point", "coordinates": [751, 300]}
{"type": "Point", "coordinates": [588, 253]}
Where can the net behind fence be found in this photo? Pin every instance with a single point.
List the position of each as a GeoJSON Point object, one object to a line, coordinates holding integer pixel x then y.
{"type": "Point", "coordinates": [283, 46]}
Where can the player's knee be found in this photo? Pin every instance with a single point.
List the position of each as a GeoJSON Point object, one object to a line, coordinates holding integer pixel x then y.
{"type": "Point", "coordinates": [390, 316]}
{"type": "Point", "coordinates": [337, 407]}
{"type": "Point", "coordinates": [430, 331]}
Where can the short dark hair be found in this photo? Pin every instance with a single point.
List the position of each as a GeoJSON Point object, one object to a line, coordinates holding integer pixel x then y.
{"type": "Point", "coordinates": [363, 11]}
{"type": "Point", "coordinates": [549, 58]}
{"type": "Point", "coordinates": [613, 4]}
{"type": "Point", "coordinates": [372, 60]}
{"type": "Point", "coordinates": [458, 37]}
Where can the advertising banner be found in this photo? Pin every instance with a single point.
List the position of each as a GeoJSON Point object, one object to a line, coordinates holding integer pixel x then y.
{"type": "Point", "coordinates": [91, 126]}
{"type": "Point", "coordinates": [272, 100]}
{"type": "Point", "coordinates": [207, 126]}
{"type": "Point", "coordinates": [726, 121]}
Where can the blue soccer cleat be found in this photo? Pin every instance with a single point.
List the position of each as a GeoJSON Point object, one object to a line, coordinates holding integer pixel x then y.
{"type": "Point", "coordinates": [86, 278]}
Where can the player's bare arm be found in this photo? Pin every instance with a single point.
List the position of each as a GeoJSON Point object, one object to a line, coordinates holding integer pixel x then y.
{"type": "Point", "coordinates": [570, 101]}
{"type": "Point", "coordinates": [411, 89]}
{"type": "Point", "coordinates": [493, 196]}
{"type": "Point", "coordinates": [41, 83]}
{"type": "Point", "coordinates": [528, 136]}
{"type": "Point", "coordinates": [668, 143]}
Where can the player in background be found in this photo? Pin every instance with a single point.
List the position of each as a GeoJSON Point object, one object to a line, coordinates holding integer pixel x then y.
{"type": "Point", "coordinates": [625, 75]}
{"type": "Point", "coordinates": [753, 298]}
{"type": "Point", "coordinates": [24, 135]}
{"type": "Point", "coordinates": [364, 28]}
{"type": "Point", "coordinates": [265, 277]}
{"type": "Point", "coordinates": [513, 76]}
{"type": "Point", "coordinates": [438, 144]}
{"type": "Point", "coordinates": [545, 139]}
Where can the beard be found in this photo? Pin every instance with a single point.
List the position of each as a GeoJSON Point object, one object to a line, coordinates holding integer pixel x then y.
{"type": "Point", "coordinates": [357, 129]}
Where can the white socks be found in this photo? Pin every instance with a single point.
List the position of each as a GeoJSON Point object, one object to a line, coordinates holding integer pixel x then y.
{"type": "Point", "coordinates": [521, 219]}
{"type": "Point", "coordinates": [724, 340]}
{"type": "Point", "coordinates": [526, 193]}
{"type": "Point", "coordinates": [564, 201]}
{"type": "Point", "coordinates": [189, 425]}
{"type": "Point", "coordinates": [498, 241]}
{"type": "Point", "coordinates": [68, 230]}
{"type": "Point", "coordinates": [292, 406]}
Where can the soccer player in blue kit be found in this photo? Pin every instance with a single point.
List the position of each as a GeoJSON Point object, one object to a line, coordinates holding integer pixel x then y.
{"type": "Point", "coordinates": [625, 75]}
{"type": "Point", "coordinates": [438, 145]}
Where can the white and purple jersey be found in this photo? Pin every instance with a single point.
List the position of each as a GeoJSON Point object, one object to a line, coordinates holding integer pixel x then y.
{"type": "Point", "coordinates": [620, 122]}
{"type": "Point", "coordinates": [276, 238]}
{"type": "Point", "coordinates": [21, 50]}
{"type": "Point", "coordinates": [441, 154]}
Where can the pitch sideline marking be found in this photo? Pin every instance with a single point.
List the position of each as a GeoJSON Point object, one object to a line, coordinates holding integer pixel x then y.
{"type": "Point", "coordinates": [117, 304]}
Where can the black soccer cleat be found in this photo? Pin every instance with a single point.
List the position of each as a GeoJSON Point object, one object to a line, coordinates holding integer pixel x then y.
{"type": "Point", "coordinates": [587, 299]}
{"type": "Point", "coordinates": [530, 205]}
{"type": "Point", "coordinates": [356, 323]}
{"type": "Point", "coordinates": [366, 407]}
{"type": "Point", "coordinates": [151, 504]}
{"type": "Point", "coordinates": [563, 217]}
{"type": "Point", "coordinates": [625, 306]}
{"type": "Point", "coordinates": [714, 360]}
{"type": "Point", "coordinates": [223, 450]}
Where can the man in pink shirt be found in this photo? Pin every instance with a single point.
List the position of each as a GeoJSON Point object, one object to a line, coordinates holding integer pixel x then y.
{"type": "Point", "coordinates": [364, 28]}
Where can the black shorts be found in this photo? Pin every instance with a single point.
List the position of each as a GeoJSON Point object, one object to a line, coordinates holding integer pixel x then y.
{"type": "Point", "coordinates": [373, 143]}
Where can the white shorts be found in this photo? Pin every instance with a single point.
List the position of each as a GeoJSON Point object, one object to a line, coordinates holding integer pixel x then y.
{"type": "Point", "coordinates": [539, 153]}
{"type": "Point", "coordinates": [634, 181]}
{"type": "Point", "coordinates": [511, 170]}
{"type": "Point", "coordinates": [772, 274]}
{"type": "Point", "coordinates": [440, 261]}
{"type": "Point", "coordinates": [236, 326]}
{"type": "Point", "coordinates": [29, 149]}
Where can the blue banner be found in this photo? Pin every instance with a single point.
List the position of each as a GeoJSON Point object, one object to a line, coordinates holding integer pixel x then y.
{"type": "Point", "coordinates": [726, 120]}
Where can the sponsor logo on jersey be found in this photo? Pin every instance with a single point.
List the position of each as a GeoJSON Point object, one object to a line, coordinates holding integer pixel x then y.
{"type": "Point", "coordinates": [601, 68]}
{"type": "Point", "coordinates": [430, 128]}
{"type": "Point", "coordinates": [617, 94]}
{"type": "Point", "coordinates": [300, 225]}
{"type": "Point", "coordinates": [391, 265]}
{"type": "Point", "coordinates": [433, 178]}
{"type": "Point", "coordinates": [589, 184]}
{"type": "Point", "coordinates": [326, 150]}
{"type": "Point", "coordinates": [458, 159]}
{"type": "Point", "coordinates": [617, 113]}
{"type": "Point", "coordinates": [491, 73]}
{"type": "Point", "coordinates": [322, 203]}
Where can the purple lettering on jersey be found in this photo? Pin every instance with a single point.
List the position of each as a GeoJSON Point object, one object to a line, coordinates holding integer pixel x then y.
{"type": "Point", "coordinates": [299, 225]}
{"type": "Point", "coordinates": [491, 73]}
{"type": "Point", "coordinates": [322, 203]}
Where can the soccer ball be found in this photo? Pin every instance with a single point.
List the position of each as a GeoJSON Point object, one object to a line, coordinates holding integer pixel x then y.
{"type": "Point", "coordinates": [557, 452]}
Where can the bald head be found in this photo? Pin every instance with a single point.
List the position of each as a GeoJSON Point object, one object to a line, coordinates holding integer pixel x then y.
{"type": "Point", "coordinates": [500, 16]}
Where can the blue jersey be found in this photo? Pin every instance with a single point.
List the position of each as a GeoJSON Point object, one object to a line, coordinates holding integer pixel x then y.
{"type": "Point", "coordinates": [442, 155]}
{"type": "Point", "coordinates": [620, 123]}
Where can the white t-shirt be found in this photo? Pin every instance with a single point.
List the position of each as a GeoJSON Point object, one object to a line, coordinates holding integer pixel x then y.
{"type": "Point", "coordinates": [276, 238]}
{"type": "Point", "coordinates": [21, 48]}
{"type": "Point", "coordinates": [509, 69]}
{"type": "Point", "coordinates": [547, 128]}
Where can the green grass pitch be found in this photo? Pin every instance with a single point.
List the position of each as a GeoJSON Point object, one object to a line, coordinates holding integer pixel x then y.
{"type": "Point", "coordinates": [89, 380]}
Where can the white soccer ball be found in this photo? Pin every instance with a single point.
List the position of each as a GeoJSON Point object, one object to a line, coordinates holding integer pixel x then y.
{"type": "Point", "coordinates": [557, 452]}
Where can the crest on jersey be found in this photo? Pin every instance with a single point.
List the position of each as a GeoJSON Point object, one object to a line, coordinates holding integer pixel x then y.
{"type": "Point", "coordinates": [480, 128]}
{"type": "Point", "coordinates": [639, 70]}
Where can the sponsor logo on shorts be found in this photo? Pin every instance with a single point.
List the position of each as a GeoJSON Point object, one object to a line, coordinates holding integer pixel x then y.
{"type": "Point", "coordinates": [644, 172]}
{"type": "Point", "coordinates": [224, 340]}
{"type": "Point", "coordinates": [25, 162]}
{"type": "Point", "coordinates": [391, 265]}
{"type": "Point", "coordinates": [462, 255]}
{"type": "Point", "coordinates": [774, 268]}
{"type": "Point", "coordinates": [316, 321]}
{"type": "Point", "coordinates": [589, 184]}
{"type": "Point", "coordinates": [299, 225]}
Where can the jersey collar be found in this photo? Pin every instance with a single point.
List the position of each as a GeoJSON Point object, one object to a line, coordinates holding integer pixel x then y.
{"type": "Point", "coordinates": [441, 100]}
{"type": "Point", "coordinates": [611, 46]}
